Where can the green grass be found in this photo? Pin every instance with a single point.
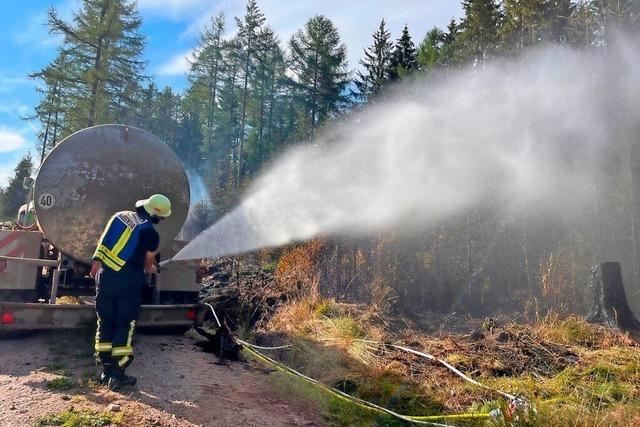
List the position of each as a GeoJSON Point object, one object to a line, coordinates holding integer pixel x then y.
{"type": "Point", "coordinates": [88, 380]}
{"type": "Point", "coordinates": [82, 418]}
{"type": "Point", "coordinates": [60, 384]}
{"type": "Point", "coordinates": [269, 267]}
{"type": "Point", "coordinates": [573, 330]}
{"type": "Point", "coordinates": [336, 411]}
{"type": "Point", "coordinates": [327, 308]}
{"type": "Point", "coordinates": [390, 391]}
{"type": "Point", "coordinates": [343, 328]}
{"type": "Point", "coordinates": [57, 367]}
{"type": "Point", "coordinates": [601, 389]}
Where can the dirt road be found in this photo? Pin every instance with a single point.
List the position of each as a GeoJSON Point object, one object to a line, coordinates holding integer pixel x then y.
{"type": "Point", "coordinates": [179, 385]}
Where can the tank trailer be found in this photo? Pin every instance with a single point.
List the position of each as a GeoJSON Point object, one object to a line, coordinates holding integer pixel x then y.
{"type": "Point", "coordinates": [47, 253]}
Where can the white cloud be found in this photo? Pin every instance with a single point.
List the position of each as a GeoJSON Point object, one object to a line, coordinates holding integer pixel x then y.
{"type": "Point", "coordinates": [177, 65]}
{"type": "Point", "coordinates": [14, 108]}
{"type": "Point", "coordinates": [10, 140]}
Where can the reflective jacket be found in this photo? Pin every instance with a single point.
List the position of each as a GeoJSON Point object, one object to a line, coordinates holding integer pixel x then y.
{"type": "Point", "coordinates": [120, 239]}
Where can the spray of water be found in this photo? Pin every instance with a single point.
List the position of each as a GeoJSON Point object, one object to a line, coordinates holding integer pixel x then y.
{"type": "Point", "coordinates": [521, 135]}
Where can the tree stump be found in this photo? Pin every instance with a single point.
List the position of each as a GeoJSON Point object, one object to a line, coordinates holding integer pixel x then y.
{"type": "Point", "coordinates": [610, 306]}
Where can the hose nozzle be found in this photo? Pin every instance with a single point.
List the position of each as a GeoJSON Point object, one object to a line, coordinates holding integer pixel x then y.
{"type": "Point", "coordinates": [164, 263]}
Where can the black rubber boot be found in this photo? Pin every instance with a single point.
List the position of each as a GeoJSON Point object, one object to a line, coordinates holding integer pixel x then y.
{"type": "Point", "coordinates": [119, 379]}
{"type": "Point", "coordinates": [106, 373]}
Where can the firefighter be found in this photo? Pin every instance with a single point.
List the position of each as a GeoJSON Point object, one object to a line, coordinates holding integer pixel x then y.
{"type": "Point", "coordinates": [125, 251]}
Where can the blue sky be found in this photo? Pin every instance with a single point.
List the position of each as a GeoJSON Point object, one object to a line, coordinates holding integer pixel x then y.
{"type": "Point", "coordinates": [172, 28]}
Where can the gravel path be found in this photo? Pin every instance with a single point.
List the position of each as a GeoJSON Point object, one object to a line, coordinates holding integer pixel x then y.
{"type": "Point", "coordinates": [179, 385]}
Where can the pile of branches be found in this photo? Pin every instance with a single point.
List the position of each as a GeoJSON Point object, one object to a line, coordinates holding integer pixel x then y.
{"type": "Point", "coordinates": [242, 290]}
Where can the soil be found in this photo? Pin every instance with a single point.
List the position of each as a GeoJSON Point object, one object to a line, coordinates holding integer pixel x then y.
{"type": "Point", "coordinates": [178, 385]}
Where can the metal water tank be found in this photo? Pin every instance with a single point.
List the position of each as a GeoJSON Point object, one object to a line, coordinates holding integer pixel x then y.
{"type": "Point", "coordinates": [101, 170]}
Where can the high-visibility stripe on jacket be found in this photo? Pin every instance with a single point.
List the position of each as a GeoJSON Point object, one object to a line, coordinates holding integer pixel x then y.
{"type": "Point", "coordinates": [119, 239]}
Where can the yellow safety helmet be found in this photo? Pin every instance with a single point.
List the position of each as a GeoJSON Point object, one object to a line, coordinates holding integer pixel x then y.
{"type": "Point", "coordinates": [157, 204]}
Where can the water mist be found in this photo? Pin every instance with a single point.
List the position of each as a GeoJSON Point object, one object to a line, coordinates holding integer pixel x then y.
{"type": "Point", "coordinates": [521, 134]}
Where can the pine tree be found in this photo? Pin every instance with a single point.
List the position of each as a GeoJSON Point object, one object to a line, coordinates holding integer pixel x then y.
{"type": "Point", "coordinates": [452, 32]}
{"type": "Point", "coordinates": [161, 114]}
{"type": "Point", "coordinates": [450, 40]}
{"type": "Point", "coordinates": [318, 62]}
{"type": "Point", "coordinates": [523, 23]}
{"type": "Point", "coordinates": [228, 119]}
{"type": "Point", "coordinates": [403, 59]}
{"type": "Point", "coordinates": [206, 70]}
{"type": "Point", "coordinates": [166, 114]}
{"type": "Point", "coordinates": [277, 92]}
{"type": "Point", "coordinates": [430, 50]}
{"type": "Point", "coordinates": [189, 136]}
{"type": "Point", "coordinates": [479, 37]}
{"type": "Point", "coordinates": [529, 22]}
{"type": "Point", "coordinates": [376, 63]}
{"type": "Point", "coordinates": [14, 195]}
{"type": "Point", "coordinates": [2, 210]}
{"type": "Point", "coordinates": [248, 29]}
{"type": "Point", "coordinates": [267, 84]}
{"type": "Point", "coordinates": [617, 15]}
{"type": "Point", "coordinates": [559, 14]}
{"type": "Point", "coordinates": [50, 110]}
{"type": "Point", "coordinates": [104, 46]}
{"type": "Point", "coordinates": [582, 28]}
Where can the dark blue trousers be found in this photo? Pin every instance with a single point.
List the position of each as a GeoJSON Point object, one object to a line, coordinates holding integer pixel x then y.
{"type": "Point", "coordinates": [117, 308]}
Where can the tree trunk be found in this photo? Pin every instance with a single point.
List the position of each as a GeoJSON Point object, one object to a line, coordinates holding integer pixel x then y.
{"type": "Point", "coordinates": [95, 86]}
{"type": "Point", "coordinates": [610, 306]}
{"type": "Point", "coordinates": [270, 120]}
{"type": "Point", "coordinates": [261, 126]}
{"type": "Point", "coordinates": [633, 208]}
{"type": "Point", "coordinates": [213, 86]}
{"type": "Point", "coordinates": [314, 96]}
{"type": "Point", "coordinates": [525, 254]}
{"type": "Point", "coordinates": [46, 136]}
{"type": "Point", "coordinates": [244, 110]}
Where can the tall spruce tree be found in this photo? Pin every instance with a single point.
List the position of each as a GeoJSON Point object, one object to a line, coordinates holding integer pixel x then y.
{"type": "Point", "coordinates": [50, 111]}
{"type": "Point", "coordinates": [449, 43]}
{"type": "Point", "coordinates": [228, 119]}
{"type": "Point", "coordinates": [403, 59]}
{"type": "Point", "coordinates": [529, 22]}
{"type": "Point", "coordinates": [376, 63]}
{"type": "Point", "coordinates": [188, 137]}
{"type": "Point", "coordinates": [479, 38]}
{"type": "Point", "coordinates": [14, 195]}
{"type": "Point", "coordinates": [617, 15]}
{"type": "Point", "coordinates": [524, 23]}
{"type": "Point", "coordinates": [248, 29]}
{"type": "Point", "coordinates": [582, 27]}
{"type": "Point", "coordinates": [205, 73]}
{"type": "Point", "coordinates": [430, 50]}
{"type": "Point", "coordinates": [318, 62]}
{"type": "Point", "coordinates": [559, 14]}
{"type": "Point", "coordinates": [266, 84]}
{"type": "Point", "coordinates": [104, 46]}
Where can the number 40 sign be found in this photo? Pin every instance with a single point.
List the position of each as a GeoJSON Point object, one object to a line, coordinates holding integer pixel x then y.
{"type": "Point", "coordinates": [46, 200]}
